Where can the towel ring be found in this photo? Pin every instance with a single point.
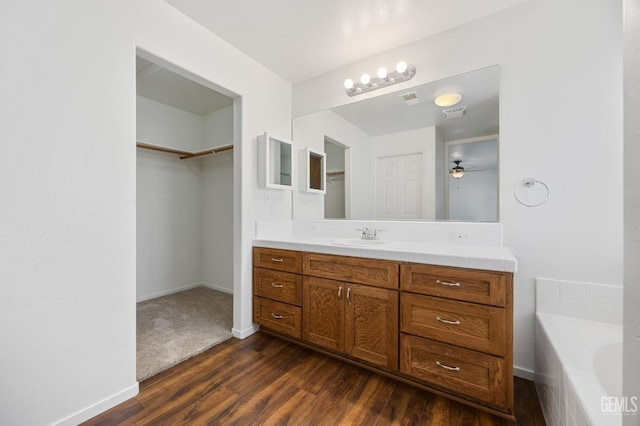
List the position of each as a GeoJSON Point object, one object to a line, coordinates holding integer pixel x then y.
{"type": "Point", "coordinates": [529, 183]}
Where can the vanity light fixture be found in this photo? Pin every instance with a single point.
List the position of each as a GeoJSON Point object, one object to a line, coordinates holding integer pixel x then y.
{"type": "Point", "coordinates": [447, 99]}
{"type": "Point", "coordinates": [458, 171]}
{"type": "Point", "coordinates": [383, 78]}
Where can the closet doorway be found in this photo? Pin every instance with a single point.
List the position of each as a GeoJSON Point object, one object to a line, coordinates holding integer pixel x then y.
{"type": "Point", "coordinates": [184, 215]}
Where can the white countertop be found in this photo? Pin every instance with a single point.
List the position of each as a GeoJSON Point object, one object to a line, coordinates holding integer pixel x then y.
{"type": "Point", "coordinates": [494, 258]}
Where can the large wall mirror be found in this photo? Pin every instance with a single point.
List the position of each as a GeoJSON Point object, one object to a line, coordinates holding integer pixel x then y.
{"type": "Point", "coordinates": [399, 156]}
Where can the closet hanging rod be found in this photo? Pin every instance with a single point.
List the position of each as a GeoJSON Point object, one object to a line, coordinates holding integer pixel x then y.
{"type": "Point", "coordinates": [183, 154]}
{"type": "Point", "coordinates": [335, 173]}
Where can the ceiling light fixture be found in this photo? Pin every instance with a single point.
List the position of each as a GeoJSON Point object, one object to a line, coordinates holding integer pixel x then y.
{"type": "Point", "coordinates": [384, 78]}
{"type": "Point", "coordinates": [447, 99]}
{"type": "Point", "coordinates": [458, 171]}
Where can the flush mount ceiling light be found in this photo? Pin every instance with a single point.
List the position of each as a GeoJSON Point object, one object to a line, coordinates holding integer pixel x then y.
{"type": "Point", "coordinates": [383, 78]}
{"type": "Point", "coordinates": [458, 171]}
{"type": "Point", "coordinates": [447, 99]}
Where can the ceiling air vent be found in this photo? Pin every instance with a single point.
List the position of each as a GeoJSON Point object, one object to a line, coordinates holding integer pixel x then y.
{"type": "Point", "coordinates": [410, 98]}
{"type": "Point", "coordinates": [454, 112]}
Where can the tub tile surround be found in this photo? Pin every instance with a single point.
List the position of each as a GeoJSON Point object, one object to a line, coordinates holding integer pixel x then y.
{"type": "Point", "coordinates": [573, 321]}
{"type": "Point", "coordinates": [461, 244]}
{"type": "Point", "coordinates": [582, 300]}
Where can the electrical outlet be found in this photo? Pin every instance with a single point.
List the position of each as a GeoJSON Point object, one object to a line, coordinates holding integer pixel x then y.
{"type": "Point", "coordinates": [315, 229]}
{"type": "Point", "coordinates": [461, 237]}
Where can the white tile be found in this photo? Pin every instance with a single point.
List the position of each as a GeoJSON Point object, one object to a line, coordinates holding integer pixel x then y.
{"type": "Point", "coordinates": [597, 293]}
{"type": "Point", "coordinates": [599, 312]}
{"type": "Point", "coordinates": [617, 316]}
{"type": "Point", "coordinates": [572, 308]}
{"type": "Point", "coordinates": [618, 296]}
{"type": "Point", "coordinates": [547, 288]}
{"type": "Point", "coordinates": [398, 256]}
{"type": "Point", "coordinates": [448, 260]}
{"type": "Point", "coordinates": [549, 305]}
{"type": "Point", "coordinates": [573, 290]}
{"type": "Point", "coordinates": [423, 258]}
{"type": "Point", "coordinates": [486, 263]}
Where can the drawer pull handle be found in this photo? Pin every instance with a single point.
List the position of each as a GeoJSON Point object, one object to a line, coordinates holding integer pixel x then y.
{"type": "Point", "coordinates": [340, 294]}
{"type": "Point", "coordinates": [276, 285]}
{"type": "Point", "coordinates": [447, 321]}
{"type": "Point", "coordinates": [273, 259]}
{"type": "Point", "coordinates": [446, 367]}
{"type": "Point", "coordinates": [446, 283]}
{"type": "Point", "coordinates": [276, 316]}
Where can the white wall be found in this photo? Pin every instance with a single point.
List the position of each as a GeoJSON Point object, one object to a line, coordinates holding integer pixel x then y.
{"type": "Point", "coordinates": [162, 124]}
{"type": "Point", "coordinates": [631, 376]}
{"type": "Point", "coordinates": [67, 252]}
{"type": "Point", "coordinates": [217, 221]}
{"type": "Point", "coordinates": [184, 207]}
{"type": "Point", "coordinates": [560, 103]}
{"type": "Point", "coordinates": [310, 131]}
{"type": "Point", "coordinates": [169, 211]}
{"type": "Point", "coordinates": [415, 141]}
{"type": "Point", "coordinates": [218, 128]}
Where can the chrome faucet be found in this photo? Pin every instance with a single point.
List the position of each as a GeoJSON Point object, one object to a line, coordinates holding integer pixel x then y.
{"type": "Point", "coordinates": [370, 233]}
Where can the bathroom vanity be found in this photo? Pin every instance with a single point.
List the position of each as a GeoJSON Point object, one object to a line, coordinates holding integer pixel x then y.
{"type": "Point", "coordinates": [446, 329]}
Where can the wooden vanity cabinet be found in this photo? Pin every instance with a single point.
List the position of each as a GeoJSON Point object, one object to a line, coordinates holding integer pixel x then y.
{"type": "Point", "coordinates": [456, 331]}
{"type": "Point", "coordinates": [444, 329]}
{"type": "Point", "coordinates": [357, 320]}
{"type": "Point", "coordinates": [277, 290]}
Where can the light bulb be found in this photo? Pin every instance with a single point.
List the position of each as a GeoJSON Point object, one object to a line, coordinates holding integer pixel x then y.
{"type": "Point", "coordinates": [382, 72]}
{"type": "Point", "coordinates": [348, 84]}
{"type": "Point", "coordinates": [401, 67]}
{"type": "Point", "coordinates": [364, 79]}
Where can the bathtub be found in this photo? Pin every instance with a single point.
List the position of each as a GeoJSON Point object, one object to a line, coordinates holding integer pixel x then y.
{"type": "Point", "coordinates": [578, 367]}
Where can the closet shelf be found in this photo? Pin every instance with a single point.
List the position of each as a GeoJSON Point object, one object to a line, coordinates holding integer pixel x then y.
{"type": "Point", "coordinates": [183, 154]}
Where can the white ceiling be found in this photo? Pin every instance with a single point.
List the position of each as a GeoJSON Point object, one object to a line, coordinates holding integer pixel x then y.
{"type": "Point", "coordinates": [301, 39]}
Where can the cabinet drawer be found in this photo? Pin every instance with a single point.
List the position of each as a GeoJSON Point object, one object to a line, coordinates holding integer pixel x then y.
{"type": "Point", "coordinates": [278, 316]}
{"type": "Point", "coordinates": [281, 260]}
{"type": "Point", "coordinates": [464, 371]}
{"type": "Point", "coordinates": [281, 286]}
{"type": "Point", "coordinates": [471, 285]}
{"type": "Point", "coordinates": [380, 273]}
{"type": "Point", "coordinates": [470, 325]}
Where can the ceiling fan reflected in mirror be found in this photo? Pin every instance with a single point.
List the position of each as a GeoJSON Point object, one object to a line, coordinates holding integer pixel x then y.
{"type": "Point", "coordinates": [458, 171]}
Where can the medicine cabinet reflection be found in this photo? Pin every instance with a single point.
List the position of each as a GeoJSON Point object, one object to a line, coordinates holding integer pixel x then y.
{"type": "Point", "coordinates": [275, 162]}
{"type": "Point", "coordinates": [313, 171]}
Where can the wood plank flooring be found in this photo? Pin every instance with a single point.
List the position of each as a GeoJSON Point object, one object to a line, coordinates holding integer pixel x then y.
{"type": "Point", "coordinates": [263, 380]}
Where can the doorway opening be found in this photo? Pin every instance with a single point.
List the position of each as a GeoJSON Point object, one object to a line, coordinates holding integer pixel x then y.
{"type": "Point", "coordinates": [335, 205]}
{"type": "Point", "coordinates": [472, 195]}
{"type": "Point", "coordinates": [184, 214]}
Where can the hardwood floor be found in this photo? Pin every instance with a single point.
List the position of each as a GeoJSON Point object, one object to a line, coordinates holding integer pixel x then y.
{"type": "Point", "coordinates": [266, 380]}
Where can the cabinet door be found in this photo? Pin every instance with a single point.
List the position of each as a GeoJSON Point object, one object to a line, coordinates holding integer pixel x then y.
{"type": "Point", "coordinates": [371, 325]}
{"type": "Point", "coordinates": [323, 313]}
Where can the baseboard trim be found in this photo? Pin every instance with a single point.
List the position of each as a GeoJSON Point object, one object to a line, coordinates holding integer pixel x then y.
{"type": "Point", "coordinates": [243, 334]}
{"type": "Point", "coordinates": [523, 373]}
{"type": "Point", "coordinates": [183, 288]}
{"type": "Point", "coordinates": [99, 407]}
{"type": "Point", "coordinates": [216, 287]}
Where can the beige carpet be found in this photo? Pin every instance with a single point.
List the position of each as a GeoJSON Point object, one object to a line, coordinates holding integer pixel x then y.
{"type": "Point", "coordinates": [173, 328]}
